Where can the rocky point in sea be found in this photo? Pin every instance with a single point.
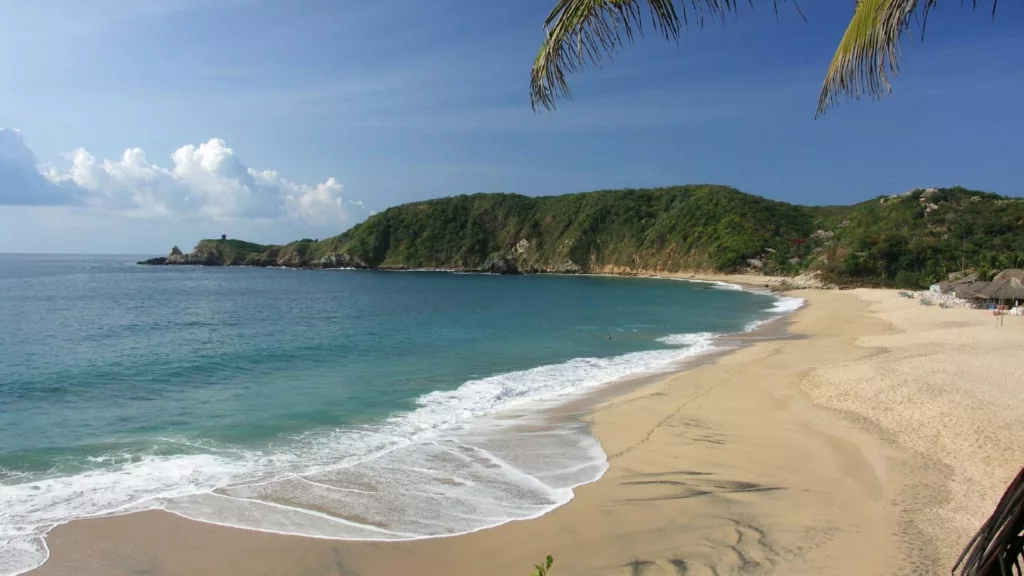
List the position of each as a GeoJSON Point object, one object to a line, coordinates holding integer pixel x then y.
{"type": "Point", "coordinates": [197, 257]}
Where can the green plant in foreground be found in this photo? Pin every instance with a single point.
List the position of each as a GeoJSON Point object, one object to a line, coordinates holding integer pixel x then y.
{"type": "Point", "coordinates": [542, 569]}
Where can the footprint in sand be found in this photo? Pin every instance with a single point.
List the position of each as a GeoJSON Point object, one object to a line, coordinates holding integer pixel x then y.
{"type": "Point", "coordinates": [748, 553]}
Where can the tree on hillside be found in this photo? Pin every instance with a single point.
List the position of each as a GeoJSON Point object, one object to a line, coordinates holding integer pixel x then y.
{"type": "Point", "coordinates": [583, 32]}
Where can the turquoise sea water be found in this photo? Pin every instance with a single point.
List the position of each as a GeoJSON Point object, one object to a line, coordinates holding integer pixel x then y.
{"type": "Point", "coordinates": [354, 405]}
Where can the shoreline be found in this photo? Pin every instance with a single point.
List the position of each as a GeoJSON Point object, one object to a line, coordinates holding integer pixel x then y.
{"type": "Point", "coordinates": [551, 410]}
{"type": "Point", "coordinates": [745, 279]}
{"type": "Point", "coordinates": [807, 455]}
{"type": "Point", "coordinates": [582, 409]}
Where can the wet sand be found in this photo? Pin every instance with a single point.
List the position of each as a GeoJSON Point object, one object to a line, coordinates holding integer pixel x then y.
{"type": "Point", "coordinates": [872, 443]}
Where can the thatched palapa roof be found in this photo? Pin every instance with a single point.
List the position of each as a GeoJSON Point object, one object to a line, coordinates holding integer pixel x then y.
{"type": "Point", "coordinates": [958, 283]}
{"type": "Point", "coordinates": [970, 291]}
{"type": "Point", "coordinates": [1011, 289]}
{"type": "Point", "coordinates": [1011, 273]}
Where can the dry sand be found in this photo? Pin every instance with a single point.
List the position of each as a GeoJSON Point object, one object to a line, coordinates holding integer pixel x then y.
{"type": "Point", "coordinates": [874, 443]}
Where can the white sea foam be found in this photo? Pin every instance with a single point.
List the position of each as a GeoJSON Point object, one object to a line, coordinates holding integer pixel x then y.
{"type": "Point", "coordinates": [455, 464]}
{"type": "Point", "coordinates": [701, 341]}
{"type": "Point", "coordinates": [715, 283]}
{"type": "Point", "coordinates": [786, 304]}
{"type": "Point", "coordinates": [782, 306]}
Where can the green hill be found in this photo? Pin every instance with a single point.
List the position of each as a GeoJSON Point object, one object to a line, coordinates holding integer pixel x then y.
{"type": "Point", "coordinates": [907, 240]}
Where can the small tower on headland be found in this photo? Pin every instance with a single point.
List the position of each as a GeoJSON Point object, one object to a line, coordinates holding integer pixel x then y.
{"type": "Point", "coordinates": [223, 236]}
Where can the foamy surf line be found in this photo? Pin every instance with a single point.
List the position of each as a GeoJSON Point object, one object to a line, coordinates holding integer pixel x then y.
{"type": "Point", "coordinates": [446, 468]}
{"type": "Point", "coordinates": [716, 283]}
{"type": "Point", "coordinates": [783, 305]}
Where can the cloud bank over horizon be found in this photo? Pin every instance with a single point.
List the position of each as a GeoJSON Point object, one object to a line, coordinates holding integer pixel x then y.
{"type": "Point", "coordinates": [205, 181]}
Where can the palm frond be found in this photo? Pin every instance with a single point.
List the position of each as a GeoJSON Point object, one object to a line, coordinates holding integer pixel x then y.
{"type": "Point", "coordinates": [580, 33]}
{"type": "Point", "coordinates": [998, 547]}
{"type": "Point", "coordinates": [869, 51]}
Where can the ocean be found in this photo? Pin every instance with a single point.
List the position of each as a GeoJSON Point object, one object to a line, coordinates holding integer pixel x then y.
{"type": "Point", "coordinates": [331, 404]}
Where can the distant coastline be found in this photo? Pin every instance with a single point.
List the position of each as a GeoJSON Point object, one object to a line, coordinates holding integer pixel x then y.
{"type": "Point", "coordinates": [909, 241]}
{"type": "Point", "coordinates": [744, 280]}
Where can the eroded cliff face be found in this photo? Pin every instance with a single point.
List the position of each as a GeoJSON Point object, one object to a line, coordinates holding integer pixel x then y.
{"type": "Point", "coordinates": [518, 259]}
{"type": "Point", "coordinates": [521, 258]}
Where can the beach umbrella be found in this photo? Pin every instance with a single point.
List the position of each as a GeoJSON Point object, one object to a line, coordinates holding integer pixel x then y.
{"type": "Point", "coordinates": [1011, 289]}
{"type": "Point", "coordinates": [1010, 274]}
{"type": "Point", "coordinates": [972, 291]}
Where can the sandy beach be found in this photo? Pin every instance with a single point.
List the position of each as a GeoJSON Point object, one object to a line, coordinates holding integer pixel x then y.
{"type": "Point", "coordinates": [874, 440]}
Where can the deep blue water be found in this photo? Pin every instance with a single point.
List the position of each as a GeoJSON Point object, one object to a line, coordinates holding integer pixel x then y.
{"type": "Point", "coordinates": [213, 391]}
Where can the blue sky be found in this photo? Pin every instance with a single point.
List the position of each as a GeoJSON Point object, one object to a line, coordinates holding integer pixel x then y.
{"type": "Point", "coordinates": [357, 106]}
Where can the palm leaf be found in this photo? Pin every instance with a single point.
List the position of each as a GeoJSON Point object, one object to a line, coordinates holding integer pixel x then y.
{"type": "Point", "coordinates": [580, 33]}
{"type": "Point", "coordinates": [869, 51]}
{"type": "Point", "coordinates": [998, 547]}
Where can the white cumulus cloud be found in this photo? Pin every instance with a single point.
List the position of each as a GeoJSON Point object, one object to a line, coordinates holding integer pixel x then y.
{"type": "Point", "coordinates": [320, 203]}
{"type": "Point", "coordinates": [205, 180]}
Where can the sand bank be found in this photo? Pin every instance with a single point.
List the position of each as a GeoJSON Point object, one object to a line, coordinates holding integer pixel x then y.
{"type": "Point", "coordinates": [873, 443]}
